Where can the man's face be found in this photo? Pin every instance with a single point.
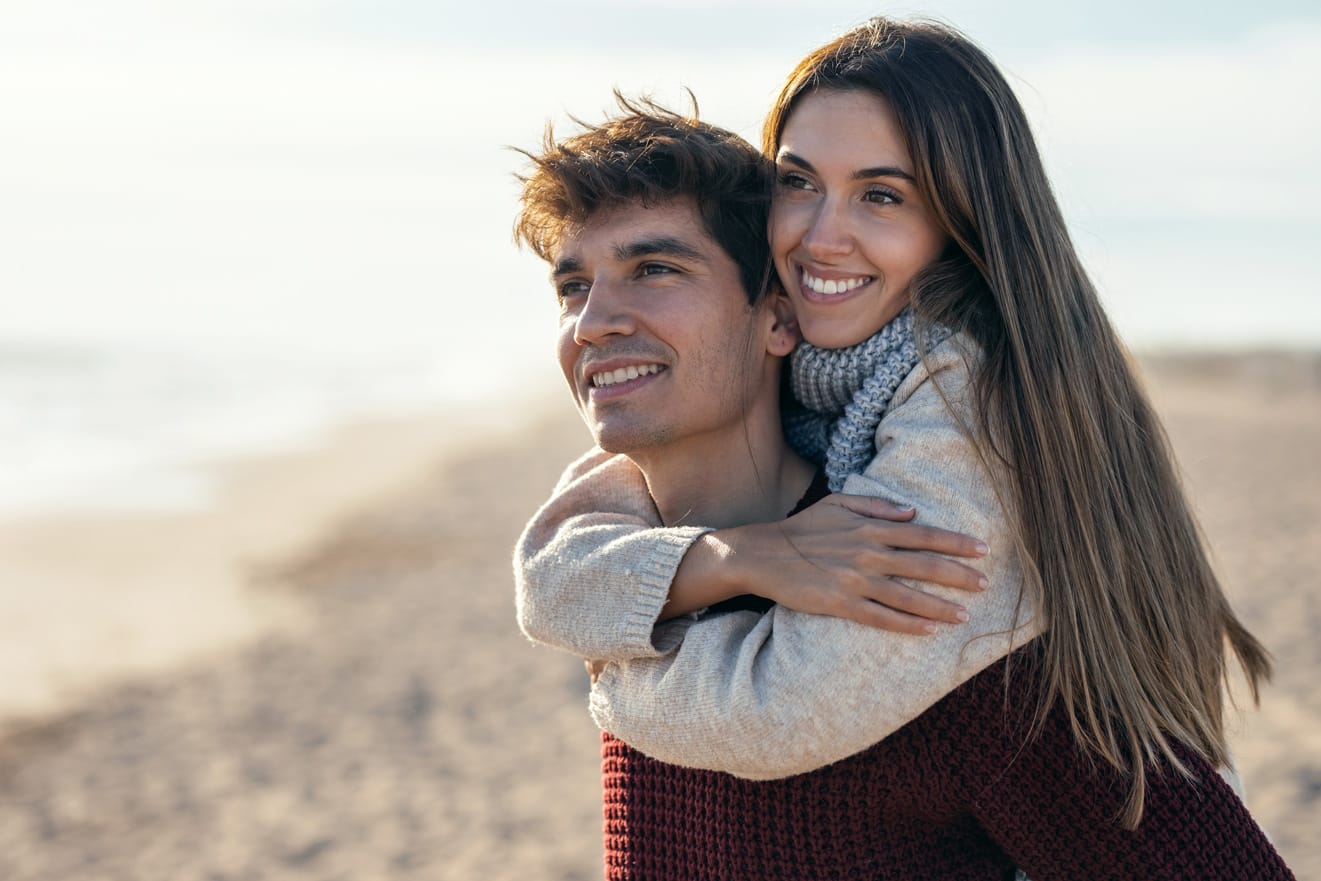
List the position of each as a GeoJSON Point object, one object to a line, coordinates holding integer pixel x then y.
{"type": "Point", "coordinates": [657, 340]}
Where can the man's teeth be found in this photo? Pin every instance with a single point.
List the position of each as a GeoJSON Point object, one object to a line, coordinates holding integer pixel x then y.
{"type": "Point", "coordinates": [833, 286]}
{"type": "Point", "coordinates": [623, 374]}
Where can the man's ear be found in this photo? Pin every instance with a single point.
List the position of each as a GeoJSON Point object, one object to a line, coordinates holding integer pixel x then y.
{"type": "Point", "coordinates": [784, 332]}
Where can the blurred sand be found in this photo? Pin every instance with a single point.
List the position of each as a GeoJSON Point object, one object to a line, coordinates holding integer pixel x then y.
{"type": "Point", "coordinates": [87, 598]}
{"type": "Point", "coordinates": [295, 693]}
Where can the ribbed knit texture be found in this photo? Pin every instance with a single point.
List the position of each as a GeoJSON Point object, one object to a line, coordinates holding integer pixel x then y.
{"type": "Point", "coordinates": [843, 394]}
{"type": "Point", "coordinates": [960, 793]}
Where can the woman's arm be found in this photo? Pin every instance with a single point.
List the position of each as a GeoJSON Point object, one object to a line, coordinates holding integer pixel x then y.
{"type": "Point", "coordinates": [765, 696]}
{"type": "Point", "coordinates": [592, 569]}
{"type": "Point", "coordinates": [594, 572]}
{"type": "Point", "coordinates": [842, 556]}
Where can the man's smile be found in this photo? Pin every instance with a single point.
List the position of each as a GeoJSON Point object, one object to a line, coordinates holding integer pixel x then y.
{"type": "Point", "coordinates": [604, 378]}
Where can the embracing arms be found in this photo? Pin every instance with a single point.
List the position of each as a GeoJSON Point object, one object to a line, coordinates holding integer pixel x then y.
{"type": "Point", "coordinates": [842, 557]}
{"type": "Point", "coordinates": [594, 571]}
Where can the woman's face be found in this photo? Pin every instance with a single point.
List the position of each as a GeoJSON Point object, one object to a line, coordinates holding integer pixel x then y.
{"type": "Point", "coordinates": [849, 229]}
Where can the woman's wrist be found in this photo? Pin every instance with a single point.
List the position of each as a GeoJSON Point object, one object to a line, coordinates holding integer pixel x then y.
{"type": "Point", "coordinates": [709, 573]}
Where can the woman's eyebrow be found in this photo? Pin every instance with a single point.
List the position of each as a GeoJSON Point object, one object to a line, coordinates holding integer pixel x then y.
{"type": "Point", "coordinates": [860, 174]}
{"type": "Point", "coordinates": [883, 171]}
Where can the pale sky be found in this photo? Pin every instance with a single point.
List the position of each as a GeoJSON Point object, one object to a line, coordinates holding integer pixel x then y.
{"type": "Point", "coordinates": [333, 175]}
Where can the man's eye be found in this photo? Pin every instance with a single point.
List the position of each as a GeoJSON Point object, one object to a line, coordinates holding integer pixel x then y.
{"type": "Point", "coordinates": [656, 269]}
{"type": "Point", "coordinates": [572, 289]}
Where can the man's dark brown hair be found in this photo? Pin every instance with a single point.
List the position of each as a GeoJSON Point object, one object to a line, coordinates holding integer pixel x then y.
{"type": "Point", "coordinates": [652, 156]}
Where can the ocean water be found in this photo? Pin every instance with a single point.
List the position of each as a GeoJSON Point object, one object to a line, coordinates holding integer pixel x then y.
{"type": "Point", "coordinates": [131, 427]}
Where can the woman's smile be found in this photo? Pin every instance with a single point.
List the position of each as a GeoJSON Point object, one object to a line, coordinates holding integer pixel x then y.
{"type": "Point", "coordinates": [824, 288]}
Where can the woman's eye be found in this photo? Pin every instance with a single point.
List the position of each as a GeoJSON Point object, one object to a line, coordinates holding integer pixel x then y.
{"type": "Point", "coordinates": [882, 196]}
{"type": "Point", "coordinates": [791, 181]}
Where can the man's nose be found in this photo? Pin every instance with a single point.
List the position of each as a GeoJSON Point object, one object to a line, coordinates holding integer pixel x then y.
{"type": "Point", "coordinates": [831, 234]}
{"type": "Point", "coordinates": [606, 313]}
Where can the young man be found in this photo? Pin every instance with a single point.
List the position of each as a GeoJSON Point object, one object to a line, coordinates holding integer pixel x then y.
{"type": "Point", "coordinates": [670, 344]}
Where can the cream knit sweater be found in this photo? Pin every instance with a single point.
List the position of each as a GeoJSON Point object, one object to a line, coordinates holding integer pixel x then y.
{"type": "Point", "coordinates": [766, 696]}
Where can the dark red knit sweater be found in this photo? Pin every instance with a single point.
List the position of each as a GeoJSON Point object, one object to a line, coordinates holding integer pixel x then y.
{"type": "Point", "coordinates": [961, 792]}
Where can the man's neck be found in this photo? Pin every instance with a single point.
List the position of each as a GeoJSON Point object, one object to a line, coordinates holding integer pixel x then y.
{"type": "Point", "coordinates": [726, 481]}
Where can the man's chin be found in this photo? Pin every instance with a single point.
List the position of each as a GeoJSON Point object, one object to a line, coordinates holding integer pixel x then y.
{"type": "Point", "coordinates": [612, 444]}
{"type": "Point", "coordinates": [627, 439]}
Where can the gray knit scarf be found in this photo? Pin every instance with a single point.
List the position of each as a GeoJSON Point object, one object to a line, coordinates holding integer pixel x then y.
{"type": "Point", "coordinates": [843, 394]}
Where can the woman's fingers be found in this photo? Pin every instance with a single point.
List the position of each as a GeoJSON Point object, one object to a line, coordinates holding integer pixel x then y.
{"type": "Point", "coordinates": [892, 529]}
{"type": "Point", "coordinates": [874, 614]}
{"type": "Point", "coordinates": [845, 557]}
{"type": "Point", "coordinates": [893, 606]}
{"type": "Point", "coordinates": [924, 567]}
{"type": "Point", "coordinates": [915, 537]}
{"type": "Point", "coordinates": [902, 598]}
{"type": "Point", "coordinates": [870, 506]}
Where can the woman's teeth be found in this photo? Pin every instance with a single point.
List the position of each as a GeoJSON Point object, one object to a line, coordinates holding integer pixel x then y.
{"type": "Point", "coordinates": [833, 286]}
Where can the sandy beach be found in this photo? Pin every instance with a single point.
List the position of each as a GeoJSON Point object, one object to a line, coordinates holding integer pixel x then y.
{"type": "Point", "coordinates": [320, 677]}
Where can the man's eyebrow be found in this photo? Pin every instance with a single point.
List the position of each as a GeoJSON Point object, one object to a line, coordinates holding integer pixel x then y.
{"type": "Point", "coordinates": [860, 174]}
{"type": "Point", "coordinates": [659, 245]}
{"type": "Point", "coordinates": [566, 266]}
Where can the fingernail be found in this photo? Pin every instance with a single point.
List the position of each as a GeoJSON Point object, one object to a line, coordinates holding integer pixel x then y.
{"type": "Point", "coordinates": [982, 548]}
{"type": "Point", "coordinates": [983, 583]}
{"type": "Point", "coordinates": [930, 628]}
{"type": "Point", "coordinates": [961, 615]}
{"type": "Point", "coordinates": [905, 508]}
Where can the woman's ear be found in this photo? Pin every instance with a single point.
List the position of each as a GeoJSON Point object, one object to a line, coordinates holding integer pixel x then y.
{"type": "Point", "coordinates": [784, 332]}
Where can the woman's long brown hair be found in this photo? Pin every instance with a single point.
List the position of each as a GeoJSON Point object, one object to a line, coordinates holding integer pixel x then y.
{"type": "Point", "coordinates": [1135, 620]}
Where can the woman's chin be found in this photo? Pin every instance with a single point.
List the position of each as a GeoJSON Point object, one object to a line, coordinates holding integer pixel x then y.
{"type": "Point", "coordinates": [836, 334]}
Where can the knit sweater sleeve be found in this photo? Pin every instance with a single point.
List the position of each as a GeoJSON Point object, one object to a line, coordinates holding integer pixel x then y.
{"type": "Point", "coordinates": [773, 695]}
{"type": "Point", "coordinates": [1053, 810]}
{"type": "Point", "coordinates": [593, 567]}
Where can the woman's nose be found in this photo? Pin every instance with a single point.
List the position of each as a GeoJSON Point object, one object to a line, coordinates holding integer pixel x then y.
{"type": "Point", "coordinates": [830, 235]}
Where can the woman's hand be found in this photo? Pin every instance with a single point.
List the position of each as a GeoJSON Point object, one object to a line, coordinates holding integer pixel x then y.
{"type": "Point", "coordinates": [839, 557]}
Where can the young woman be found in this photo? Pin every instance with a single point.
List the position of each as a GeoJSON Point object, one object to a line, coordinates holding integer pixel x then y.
{"type": "Point", "coordinates": [956, 359]}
